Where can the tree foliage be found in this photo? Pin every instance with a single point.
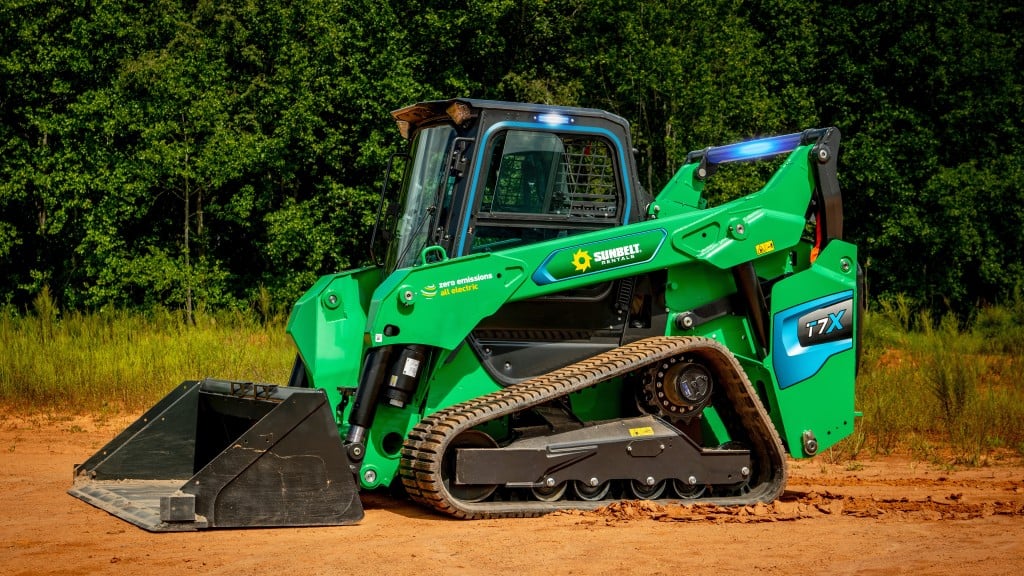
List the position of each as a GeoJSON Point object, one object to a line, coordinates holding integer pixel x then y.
{"type": "Point", "coordinates": [928, 96]}
{"type": "Point", "coordinates": [191, 154]}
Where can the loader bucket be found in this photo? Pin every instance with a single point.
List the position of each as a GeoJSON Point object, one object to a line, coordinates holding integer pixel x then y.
{"type": "Point", "coordinates": [219, 454]}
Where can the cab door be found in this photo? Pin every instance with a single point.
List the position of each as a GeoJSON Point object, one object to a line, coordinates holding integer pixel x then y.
{"type": "Point", "coordinates": [537, 186]}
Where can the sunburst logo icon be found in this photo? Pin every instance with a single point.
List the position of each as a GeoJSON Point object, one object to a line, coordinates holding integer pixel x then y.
{"type": "Point", "coordinates": [581, 260]}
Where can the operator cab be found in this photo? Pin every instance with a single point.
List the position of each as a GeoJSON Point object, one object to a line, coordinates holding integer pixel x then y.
{"type": "Point", "coordinates": [484, 176]}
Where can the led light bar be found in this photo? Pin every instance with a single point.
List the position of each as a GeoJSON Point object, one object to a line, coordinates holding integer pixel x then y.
{"type": "Point", "coordinates": [754, 149]}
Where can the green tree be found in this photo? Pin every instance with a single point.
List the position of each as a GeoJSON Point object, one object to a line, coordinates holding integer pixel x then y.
{"type": "Point", "coordinates": [928, 96]}
{"type": "Point", "coordinates": [51, 65]}
{"type": "Point", "coordinates": [186, 154]}
{"type": "Point", "coordinates": [153, 154]}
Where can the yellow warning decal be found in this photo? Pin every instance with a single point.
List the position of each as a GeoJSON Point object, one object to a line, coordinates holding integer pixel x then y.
{"type": "Point", "coordinates": [645, 431]}
{"type": "Point", "coordinates": [765, 247]}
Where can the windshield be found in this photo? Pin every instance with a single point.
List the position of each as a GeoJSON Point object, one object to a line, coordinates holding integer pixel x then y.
{"type": "Point", "coordinates": [419, 195]}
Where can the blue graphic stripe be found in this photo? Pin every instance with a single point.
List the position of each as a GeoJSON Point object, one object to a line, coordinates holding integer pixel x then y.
{"type": "Point", "coordinates": [794, 362]}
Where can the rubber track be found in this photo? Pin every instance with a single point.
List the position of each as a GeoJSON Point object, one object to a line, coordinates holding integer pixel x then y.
{"type": "Point", "coordinates": [424, 449]}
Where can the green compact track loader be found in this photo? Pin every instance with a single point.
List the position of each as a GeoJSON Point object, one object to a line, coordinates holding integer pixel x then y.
{"type": "Point", "coordinates": [536, 333]}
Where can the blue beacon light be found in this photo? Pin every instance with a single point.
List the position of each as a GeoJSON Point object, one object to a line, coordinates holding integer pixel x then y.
{"type": "Point", "coordinates": [553, 119]}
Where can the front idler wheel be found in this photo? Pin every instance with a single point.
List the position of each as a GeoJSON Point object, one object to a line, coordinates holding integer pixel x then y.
{"type": "Point", "coordinates": [466, 492]}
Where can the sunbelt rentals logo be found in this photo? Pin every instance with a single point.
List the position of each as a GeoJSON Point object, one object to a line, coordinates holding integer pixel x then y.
{"type": "Point", "coordinates": [598, 256]}
{"type": "Point", "coordinates": [626, 253]}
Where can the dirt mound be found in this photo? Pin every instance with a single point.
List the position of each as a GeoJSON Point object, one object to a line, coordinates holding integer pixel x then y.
{"type": "Point", "coordinates": [799, 505]}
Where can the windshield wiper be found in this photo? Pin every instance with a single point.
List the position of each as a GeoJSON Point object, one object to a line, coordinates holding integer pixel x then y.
{"type": "Point", "coordinates": [428, 216]}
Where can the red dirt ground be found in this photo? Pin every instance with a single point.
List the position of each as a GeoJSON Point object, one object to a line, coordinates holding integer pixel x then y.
{"type": "Point", "coordinates": [885, 516]}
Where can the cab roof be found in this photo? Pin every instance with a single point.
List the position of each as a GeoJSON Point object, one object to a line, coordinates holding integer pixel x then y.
{"type": "Point", "coordinates": [462, 110]}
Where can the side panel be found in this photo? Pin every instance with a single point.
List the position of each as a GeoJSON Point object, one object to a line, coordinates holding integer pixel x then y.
{"type": "Point", "coordinates": [814, 347]}
{"type": "Point", "coordinates": [328, 324]}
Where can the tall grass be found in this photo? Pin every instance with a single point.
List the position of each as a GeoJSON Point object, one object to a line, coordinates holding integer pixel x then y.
{"type": "Point", "coordinates": [941, 389]}
{"type": "Point", "coordinates": [932, 387]}
{"type": "Point", "coordinates": [122, 360]}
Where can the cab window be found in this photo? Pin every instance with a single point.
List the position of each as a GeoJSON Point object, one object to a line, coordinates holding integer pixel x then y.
{"type": "Point", "coordinates": [540, 186]}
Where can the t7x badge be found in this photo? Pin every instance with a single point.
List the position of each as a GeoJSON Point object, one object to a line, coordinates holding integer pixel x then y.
{"type": "Point", "coordinates": [827, 324]}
